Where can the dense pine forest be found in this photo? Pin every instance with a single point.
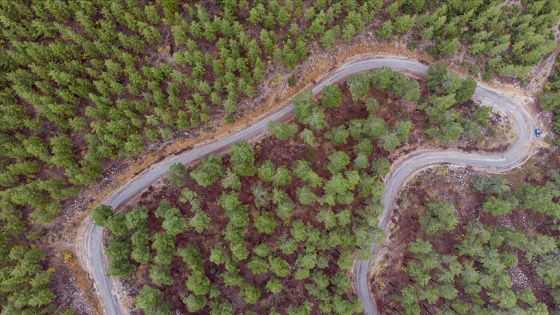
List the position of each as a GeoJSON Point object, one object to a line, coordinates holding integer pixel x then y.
{"type": "Point", "coordinates": [550, 99]}
{"type": "Point", "coordinates": [85, 83]}
{"type": "Point", "coordinates": [482, 245]}
{"type": "Point", "coordinates": [276, 227]}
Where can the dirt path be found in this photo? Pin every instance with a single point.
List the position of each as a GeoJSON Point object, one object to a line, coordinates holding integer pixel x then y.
{"type": "Point", "coordinates": [539, 76]}
{"type": "Point", "coordinates": [92, 249]}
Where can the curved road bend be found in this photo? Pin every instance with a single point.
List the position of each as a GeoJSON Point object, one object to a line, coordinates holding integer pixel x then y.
{"type": "Point", "coordinates": [401, 170]}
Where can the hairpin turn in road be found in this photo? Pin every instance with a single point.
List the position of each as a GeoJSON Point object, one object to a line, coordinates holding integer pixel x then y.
{"type": "Point", "coordinates": [91, 253]}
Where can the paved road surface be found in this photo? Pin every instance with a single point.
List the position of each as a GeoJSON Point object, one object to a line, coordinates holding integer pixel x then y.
{"type": "Point", "coordinates": [400, 171]}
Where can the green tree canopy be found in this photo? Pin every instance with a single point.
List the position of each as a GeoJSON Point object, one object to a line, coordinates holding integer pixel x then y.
{"type": "Point", "coordinates": [258, 266]}
{"type": "Point", "coordinates": [266, 171]}
{"type": "Point", "coordinates": [307, 136]}
{"type": "Point", "coordinates": [389, 141]}
{"type": "Point", "coordinates": [218, 255]}
{"type": "Point", "coordinates": [359, 85]}
{"type": "Point", "coordinates": [150, 300]}
{"type": "Point", "coordinates": [242, 158]}
{"type": "Point", "coordinates": [251, 293]}
{"type": "Point", "coordinates": [303, 105]}
{"type": "Point", "coordinates": [282, 177]}
{"type": "Point", "coordinates": [136, 217]}
{"type": "Point", "coordinates": [198, 283]}
{"type": "Point", "coordinates": [281, 130]}
{"type": "Point", "coordinates": [279, 266]}
{"type": "Point", "coordinates": [437, 76]}
{"type": "Point", "coordinates": [102, 215]}
{"type": "Point", "coordinates": [261, 250]}
{"type": "Point", "coordinates": [305, 195]}
{"type": "Point", "coordinates": [490, 185]}
{"type": "Point", "coordinates": [176, 175]}
{"type": "Point", "coordinates": [199, 221]}
{"type": "Point", "coordinates": [303, 170]}
{"type": "Point", "coordinates": [466, 91]}
{"type": "Point", "coordinates": [208, 171]}
{"type": "Point", "coordinates": [194, 303]}
{"type": "Point", "coordinates": [117, 224]}
{"type": "Point", "coordinates": [338, 135]}
{"type": "Point", "coordinates": [163, 207]}
{"type": "Point", "coordinates": [231, 180]}
{"type": "Point", "coordinates": [438, 216]}
{"type": "Point", "coordinates": [174, 223]}
{"type": "Point", "coordinates": [160, 275]}
{"type": "Point", "coordinates": [264, 222]}
{"type": "Point", "coordinates": [332, 96]}
{"type": "Point", "coordinates": [402, 129]}
{"type": "Point", "coordinates": [274, 285]}
{"type": "Point", "coordinates": [499, 205]}
{"type": "Point", "coordinates": [345, 261]}
{"type": "Point", "coordinates": [338, 161]}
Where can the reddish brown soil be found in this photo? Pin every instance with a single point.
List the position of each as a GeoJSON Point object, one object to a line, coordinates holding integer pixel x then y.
{"type": "Point", "coordinates": [282, 153]}
{"type": "Point", "coordinates": [453, 185]}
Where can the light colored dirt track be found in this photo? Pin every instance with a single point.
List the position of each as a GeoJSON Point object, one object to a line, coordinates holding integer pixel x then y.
{"type": "Point", "coordinates": [401, 170]}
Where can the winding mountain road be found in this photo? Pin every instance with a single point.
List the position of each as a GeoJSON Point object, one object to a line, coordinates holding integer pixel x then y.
{"type": "Point", "coordinates": [403, 169]}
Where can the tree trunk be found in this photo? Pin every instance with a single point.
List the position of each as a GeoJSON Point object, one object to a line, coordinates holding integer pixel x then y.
{"type": "Point", "coordinates": [392, 308]}
{"type": "Point", "coordinates": [427, 310]}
